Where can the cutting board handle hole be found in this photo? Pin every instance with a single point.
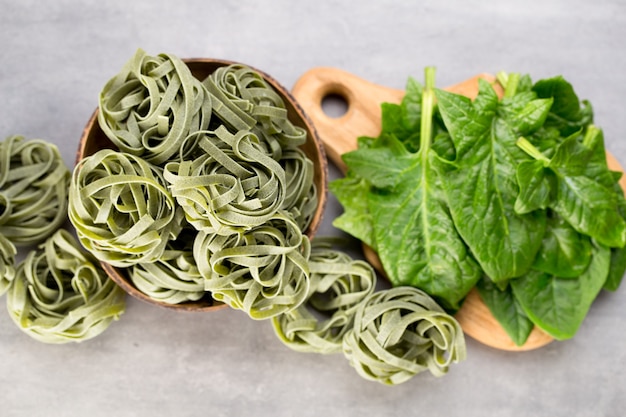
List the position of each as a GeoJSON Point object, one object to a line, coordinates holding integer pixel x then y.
{"type": "Point", "coordinates": [334, 105]}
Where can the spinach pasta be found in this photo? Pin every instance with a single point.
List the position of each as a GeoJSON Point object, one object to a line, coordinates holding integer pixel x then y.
{"type": "Point", "coordinates": [174, 278]}
{"type": "Point", "coordinates": [338, 285]}
{"type": "Point", "coordinates": [218, 153]}
{"type": "Point", "coordinates": [152, 105]}
{"type": "Point", "coordinates": [263, 271]}
{"type": "Point", "coordinates": [7, 263]}
{"type": "Point", "coordinates": [60, 294]}
{"type": "Point", "coordinates": [122, 212]}
{"type": "Point", "coordinates": [232, 187]}
{"type": "Point", "coordinates": [401, 332]}
{"type": "Point", "coordinates": [257, 106]}
{"type": "Point", "coordinates": [301, 193]}
{"type": "Point", "coordinates": [33, 190]}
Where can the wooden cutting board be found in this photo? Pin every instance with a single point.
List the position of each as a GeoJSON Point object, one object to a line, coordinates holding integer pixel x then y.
{"type": "Point", "coordinates": [363, 118]}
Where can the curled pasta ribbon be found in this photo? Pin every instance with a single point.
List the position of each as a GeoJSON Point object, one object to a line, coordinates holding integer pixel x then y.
{"type": "Point", "coordinates": [7, 263]}
{"type": "Point", "coordinates": [60, 294]}
{"type": "Point", "coordinates": [33, 190]}
{"type": "Point", "coordinates": [400, 332]}
{"type": "Point", "coordinates": [262, 271]}
{"type": "Point", "coordinates": [151, 105]}
{"type": "Point", "coordinates": [251, 103]}
{"type": "Point", "coordinates": [338, 285]}
{"type": "Point", "coordinates": [122, 212]}
{"type": "Point", "coordinates": [301, 198]}
{"type": "Point", "coordinates": [174, 278]}
{"type": "Point", "coordinates": [233, 187]}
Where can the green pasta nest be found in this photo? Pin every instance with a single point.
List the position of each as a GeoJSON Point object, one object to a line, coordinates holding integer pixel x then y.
{"type": "Point", "coordinates": [61, 295]}
{"type": "Point", "coordinates": [401, 332]}
{"type": "Point", "coordinates": [235, 185]}
{"type": "Point", "coordinates": [150, 107]}
{"type": "Point", "coordinates": [121, 209]}
{"type": "Point", "coordinates": [33, 190]}
{"type": "Point", "coordinates": [263, 271]}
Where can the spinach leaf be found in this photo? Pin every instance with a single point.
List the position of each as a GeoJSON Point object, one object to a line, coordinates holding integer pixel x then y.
{"type": "Point", "coordinates": [566, 115]}
{"type": "Point", "coordinates": [481, 185]}
{"type": "Point", "coordinates": [351, 192]}
{"type": "Point", "coordinates": [618, 255]}
{"type": "Point", "coordinates": [617, 269]}
{"type": "Point", "coordinates": [591, 209]}
{"type": "Point", "coordinates": [506, 310]}
{"type": "Point", "coordinates": [597, 168]}
{"type": "Point", "coordinates": [534, 187]}
{"type": "Point", "coordinates": [559, 305]}
{"type": "Point", "coordinates": [402, 120]}
{"type": "Point", "coordinates": [580, 194]}
{"type": "Point", "coordinates": [382, 163]}
{"type": "Point", "coordinates": [415, 236]}
{"type": "Point", "coordinates": [564, 252]}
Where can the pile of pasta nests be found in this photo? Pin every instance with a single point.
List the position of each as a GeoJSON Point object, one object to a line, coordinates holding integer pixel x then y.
{"type": "Point", "coordinates": [208, 192]}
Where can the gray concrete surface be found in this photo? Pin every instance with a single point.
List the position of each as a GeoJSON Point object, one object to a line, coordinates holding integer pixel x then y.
{"type": "Point", "coordinates": [56, 55]}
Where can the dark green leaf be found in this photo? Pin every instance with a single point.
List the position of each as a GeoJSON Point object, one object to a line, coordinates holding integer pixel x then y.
{"type": "Point", "coordinates": [564, 252]}
{"type": "Point", "coordinates": [559, 305]}
{"type": "Point", "coordinates": [534, 193]}
{"type": "Point", "coordinates": [524, 112]}
{"type": "Point", "coordinates": [506, 310]}
{"type": "Point", "coordinates": [571, 157]}
{"type": "Point", "coordinates": [618, 255]}
{"type": "Point", "coordinates": [416, 238]}
{"type": "Point", "coordinates": [443, 146]}
{"type": "Point", "coordinates": [617, 269]}
{"type": "Point", "coordinates": [412, 104]}
{"type": "Point", "coordinates": [567, 114]}
{"type": "Point", "coordinates": [382, 163]}
{"type": "Point", "coordinates": [580, 194]}
{"type": "Point", "coordinates": [395, 124]}
{"type": "Point", "coordinates": [351, 192]}
{"type": "Point", "coordinates": [591, 209]}
{"type": "Point", "coordinates": [481, 186]}
{"type": "Point", "coordinates": [402, 120]}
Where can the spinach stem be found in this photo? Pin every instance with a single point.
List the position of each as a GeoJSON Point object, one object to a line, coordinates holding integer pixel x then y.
{"type": "Point", "coordinates": [502, 77]}
{"type": "Point", "coordinates": [428, 105]}
{"type": "Point", "coordinates": [590, 136]}
{"type": "Point", "coordinates": [511, 85]}
{"type": "Point", "coordinates": [531, 150]}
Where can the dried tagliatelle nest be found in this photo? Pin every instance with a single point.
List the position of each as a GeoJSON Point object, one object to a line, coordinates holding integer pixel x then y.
{"type": "Point", "coordinates": [33, 189]}
{"type": "Point", "coordinates": [60, 294]}
{"type": "Point", "coordinates": [121, 208]}
{"type": "Point", "coordinates": [401, 332]}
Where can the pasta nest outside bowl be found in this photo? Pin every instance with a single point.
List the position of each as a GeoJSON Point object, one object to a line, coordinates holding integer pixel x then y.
{"type": "Point", "coordinates": [94, 139]}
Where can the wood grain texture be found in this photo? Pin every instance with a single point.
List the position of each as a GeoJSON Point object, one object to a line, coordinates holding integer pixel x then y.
{"type": "Point", "coordinates": [363, 118]}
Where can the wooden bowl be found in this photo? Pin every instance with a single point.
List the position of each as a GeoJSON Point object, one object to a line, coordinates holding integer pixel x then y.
{"type": "Point", "coordinates": [363, 118]}
{"type": "Point", "coordinates": [93, 140]}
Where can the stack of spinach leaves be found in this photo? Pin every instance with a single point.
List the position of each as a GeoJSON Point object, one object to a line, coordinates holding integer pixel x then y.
{"type": "Point", "coordinates": [511, 195]}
